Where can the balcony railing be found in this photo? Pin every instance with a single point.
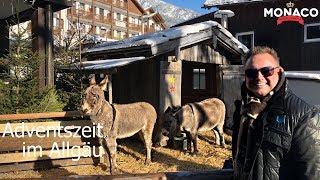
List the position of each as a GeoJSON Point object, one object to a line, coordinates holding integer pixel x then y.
{"type": "Point", "coordinates": [120, 23]}
{"type": "Point", "coordinates": [149, 29]}
{"type": "Point", "coordinates": [120, 4]}
{"type": "Point", "coordinates": [117, 37]}
{"type": "Point", "coordinates": [135, 27]}
{"type": "Point", "coordinates": [103, 19]}
{"type": "Point", "coordinates": [82, 13]}
{"type": "Point", "coordinates": [56, 31]}
{"type": "Point", "coordinates": [105, 1]}
{"type": "Point", "coordinates": [106, 35]}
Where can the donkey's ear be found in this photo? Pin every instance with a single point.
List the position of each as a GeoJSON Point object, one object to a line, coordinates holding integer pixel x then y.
{"type": "Point", "coordinates": [104, 82]}
{"type": "Point", "coordinates": [92, 80]}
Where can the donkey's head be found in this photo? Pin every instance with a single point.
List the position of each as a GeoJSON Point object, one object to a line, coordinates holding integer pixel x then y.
{"type": "Point", "coordinates": [94, 96]}
{"type": "Point", "coordinates": [170, 121]}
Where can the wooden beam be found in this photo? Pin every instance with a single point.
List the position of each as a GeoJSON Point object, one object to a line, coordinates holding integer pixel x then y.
{"type": "Point", "coordinates": [41, 115]}
{"type": "Point", "coordinates": [49, 125]}
{"type": "Point", "coordinates": [224, 174]}
{"type": "Point", "coordinates": [47, 164]}
{"type": "Point", "coordinates": [110, 88]}
{"type": "Point", "coordinates": [49, 154]}
{"type": "Point", "coordinates": [16, 144]}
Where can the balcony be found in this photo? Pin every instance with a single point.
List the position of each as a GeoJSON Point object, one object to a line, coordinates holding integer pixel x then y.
{"type": "Point", "coordinates": [81, 13]}
{"type": "Point", "coordinates": [103, 19]}
{"type": "Point", "coordinates": [120, 23]}
{"type": "Point", "coordinates": [106, 35]}
{"type": "Point", "coordinates": [120, 4]}
{"type": "Point", "coordinates": [149, 29]}
{"type": "Point", "coordinates": [104, 1]}
{"type": "Point", "coordinates": [135, 27]}
{"type": "Point", "coordinates": [56, 31]}
{"type": "Point", "coordinates": [117, 37]}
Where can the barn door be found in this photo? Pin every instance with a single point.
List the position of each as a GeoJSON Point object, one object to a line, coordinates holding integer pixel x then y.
{"type": "Point", "coordinates": [199, 81]}
{"type": "Point", "coordinates": [232, 78]}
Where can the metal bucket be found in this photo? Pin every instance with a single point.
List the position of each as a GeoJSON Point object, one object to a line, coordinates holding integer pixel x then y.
{"type": "Point", "coordinates": [180, 142]}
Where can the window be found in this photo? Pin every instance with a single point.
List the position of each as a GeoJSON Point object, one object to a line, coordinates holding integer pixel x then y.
{"type": "Point", "coordinates": [199, 78]}
{"type": "Point", "coordinates": [133, 20]}
{"type": "Point", "coordinates": [312, 32]}
{"type": "Point", "coordinates": [103, 30]}
{"type": "Point", "coordinates": [118, 16]}
{"type": "Point", "coordinates": [57, 24]}
{"type": "Point", "coordinates": [81, 6]}
{"type": "Point", "coordinates": [118, 34]}
{"type": "Point", "coordinates": [246, 38]}
{"type": "Point", "coordinates": [101, 12]}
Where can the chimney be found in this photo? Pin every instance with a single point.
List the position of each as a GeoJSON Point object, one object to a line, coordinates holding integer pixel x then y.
{"type": "Point", "coordinates": [224, 15]}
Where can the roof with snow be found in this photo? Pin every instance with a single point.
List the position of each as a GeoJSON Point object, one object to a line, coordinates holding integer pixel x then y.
{"type": "Point", "coordinates": [103, 65]}
{"type": "Point", "coordinates": [111, 55]}
{"type": "Point", "coordinates": [310, 75]}
{"type": "Point", "coordinates": [212, 3]}
{"type": "Point", "coordinates": [168, 40]}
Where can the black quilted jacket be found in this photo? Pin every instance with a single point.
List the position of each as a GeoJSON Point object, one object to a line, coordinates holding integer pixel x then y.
{"type": "Point", "coordinates": [285, 143]}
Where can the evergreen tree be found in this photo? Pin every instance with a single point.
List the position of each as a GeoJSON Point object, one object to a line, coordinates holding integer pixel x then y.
{"type": "Point", "coordinates": [19, 90]}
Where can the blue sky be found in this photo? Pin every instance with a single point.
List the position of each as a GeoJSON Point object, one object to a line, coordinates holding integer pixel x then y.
{"type": "Point", "coordinates": [190, 4]}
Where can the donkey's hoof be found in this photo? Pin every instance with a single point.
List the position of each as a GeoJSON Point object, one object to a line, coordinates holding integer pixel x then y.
{"type": "Point", "coordinates": [115, 171]}
{"type": "Point", "coordinates": [187, 153]}
{"type": "Point", "coordinates": [195, 153]}
{"type": "Point", "coordinates": [147, 162]}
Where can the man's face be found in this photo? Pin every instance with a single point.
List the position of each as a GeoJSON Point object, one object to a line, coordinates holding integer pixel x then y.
{"type": "Point", "coordinates": [261, 85]}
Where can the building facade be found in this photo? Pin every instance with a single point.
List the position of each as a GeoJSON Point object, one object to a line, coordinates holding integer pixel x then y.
{"type": "Point", "coordinates": [292, 28]}
{"type": "Point", "coordinates": [107, 20]}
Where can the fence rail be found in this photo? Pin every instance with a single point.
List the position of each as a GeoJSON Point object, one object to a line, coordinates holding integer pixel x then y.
{"type": "Point", "coordinates": [31, 116]}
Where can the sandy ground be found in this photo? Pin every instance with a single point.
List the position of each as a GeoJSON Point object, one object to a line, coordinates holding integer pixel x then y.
{"type": "Point", "coordinates": [131, 160]}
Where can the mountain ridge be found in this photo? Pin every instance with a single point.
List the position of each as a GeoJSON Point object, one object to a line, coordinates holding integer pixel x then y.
{"type": "Point", "coordinates": [171, 14]}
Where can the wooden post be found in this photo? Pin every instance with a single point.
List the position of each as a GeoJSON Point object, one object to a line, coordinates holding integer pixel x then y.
{"type": "Point", "coordinates": [170, 83]}
{"type": "Point", "coordinates": [49, 46]}
{"type": "Point", "coordinates": [38, 41]}
{"type": "Point", "coordinates": [110, 88]}
{"type": "Point", "coordinates": [170, 90]}
{"type": "Point", "coordinates": [4, 47]}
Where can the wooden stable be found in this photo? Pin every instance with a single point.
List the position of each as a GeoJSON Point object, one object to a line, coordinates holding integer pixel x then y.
{"type": "Point", "coordinates": [164, 77]}
{"type": "Point", "coordinates": [46, 149]}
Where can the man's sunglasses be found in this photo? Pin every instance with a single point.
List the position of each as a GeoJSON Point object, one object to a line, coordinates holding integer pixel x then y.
{"type": "Point", "coordinates": [265, 71]}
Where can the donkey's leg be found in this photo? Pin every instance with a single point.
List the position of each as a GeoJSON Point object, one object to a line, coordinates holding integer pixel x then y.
{"type": "Point", "coordinates": [217, 136]}
{"type": "Point", "coordinates": [188, 141]}
{"type": "Point", "coordinates": [194, 138]}
{"type": "Point", "coordinates": [103, 143]}
{"type": "Point", "coordinates": [221, 134]}
{"type": "Point", "coordinates": [112, 146]}
{"type": "Point", "coordinates": [146, 135]}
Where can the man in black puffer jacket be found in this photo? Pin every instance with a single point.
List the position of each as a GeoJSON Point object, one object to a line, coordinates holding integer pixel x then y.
{"type": "Point", "coordinates": [278, 136]}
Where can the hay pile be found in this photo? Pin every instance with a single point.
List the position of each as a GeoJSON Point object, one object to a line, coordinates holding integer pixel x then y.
{"type": "Point", "coordinates": [131, 160]}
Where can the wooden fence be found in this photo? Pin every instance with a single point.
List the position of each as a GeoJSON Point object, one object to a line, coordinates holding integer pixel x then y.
{"type": "Point", "coordinates": [44, 145]}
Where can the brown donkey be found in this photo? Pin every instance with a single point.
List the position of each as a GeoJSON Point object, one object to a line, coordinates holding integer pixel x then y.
{"type": "Point", "coordinates": [119, 120]}
{"type": "Point", "coordinates": [195, 117]}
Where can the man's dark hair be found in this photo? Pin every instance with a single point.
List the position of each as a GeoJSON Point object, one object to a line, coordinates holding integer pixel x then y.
{"type": "Point", "coordinates": [261, 50]}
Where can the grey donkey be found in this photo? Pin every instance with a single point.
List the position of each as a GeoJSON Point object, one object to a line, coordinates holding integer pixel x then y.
{"type": "Point", "coordinates": [206, 115]}
{"type": "Point", "coordinates": [119, 120]}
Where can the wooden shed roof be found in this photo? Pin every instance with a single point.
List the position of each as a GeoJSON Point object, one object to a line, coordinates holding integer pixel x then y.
{"type": "Point", "coordinates": [212, 3]}
{"type": "Point", "coordinates": [168, 40]}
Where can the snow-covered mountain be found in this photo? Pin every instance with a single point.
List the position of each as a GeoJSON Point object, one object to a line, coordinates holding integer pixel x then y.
{"type": "Point", "coordinates": [171, 14]}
